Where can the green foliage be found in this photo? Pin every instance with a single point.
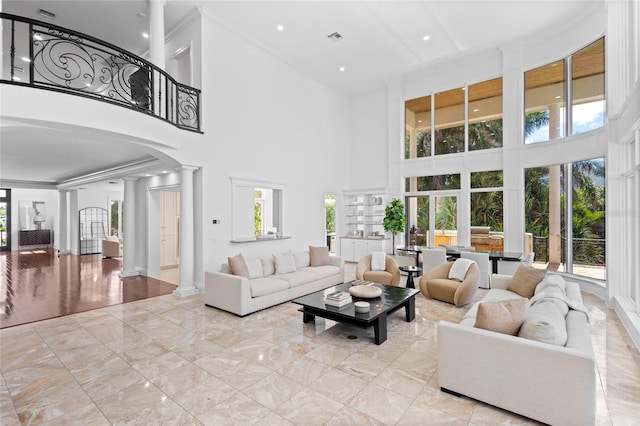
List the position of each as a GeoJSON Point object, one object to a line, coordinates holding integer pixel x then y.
{"type": "Point", "coordinates": [257, 218]}
{"type": "Point", "coordinates": [394, 217]}
{"type": "Point", "coordinates": [330, 212]}
{"type": "Point", "coordinates": [446, 213]}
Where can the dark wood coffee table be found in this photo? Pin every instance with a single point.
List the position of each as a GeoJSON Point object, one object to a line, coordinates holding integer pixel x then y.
{"type": "Point", "coordinates": [391, 299]}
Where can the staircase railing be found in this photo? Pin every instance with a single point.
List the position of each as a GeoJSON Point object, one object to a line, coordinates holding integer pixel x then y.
{"type": "Point", "coordinates": [50, 57]}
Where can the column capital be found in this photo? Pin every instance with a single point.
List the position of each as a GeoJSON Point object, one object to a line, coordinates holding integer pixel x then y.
{"type": "Point", "coordinates": [189, 168]}
{"type": "Point", "coordinates": [130, 179]}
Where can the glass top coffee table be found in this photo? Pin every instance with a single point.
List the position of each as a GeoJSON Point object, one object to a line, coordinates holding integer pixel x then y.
{"type": "Point", "coordinates": [391, 299]}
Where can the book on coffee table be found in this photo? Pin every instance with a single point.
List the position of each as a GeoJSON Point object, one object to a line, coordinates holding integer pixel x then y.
{"type": "Point", "coordinates": [337, 303]}
{"type": "Point", "coordinates": [338, 295]}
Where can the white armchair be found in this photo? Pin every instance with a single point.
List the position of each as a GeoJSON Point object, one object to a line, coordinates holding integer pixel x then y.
{"type": "Point", "coordinates": [111, 247]}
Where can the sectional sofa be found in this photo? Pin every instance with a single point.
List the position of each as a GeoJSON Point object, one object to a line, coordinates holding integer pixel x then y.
{"type": "Point", "coordinates": [551, 383]}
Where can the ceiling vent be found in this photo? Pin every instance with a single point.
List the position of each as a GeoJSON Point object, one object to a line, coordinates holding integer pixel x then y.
{"type": "Point", "coordinates": [46, 14]}
{"type": "Point", "coordinates": [335, 36]}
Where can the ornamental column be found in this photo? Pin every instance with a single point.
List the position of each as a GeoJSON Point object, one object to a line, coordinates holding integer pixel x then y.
{"type": "Point", "coordinates": [156, 53]}
{"type": "Point", "coordinates": [186, 253]}
{"type": "Point", "coordinates": [63, 222]}
{"type": "Point", "coordinates": [129, 232]}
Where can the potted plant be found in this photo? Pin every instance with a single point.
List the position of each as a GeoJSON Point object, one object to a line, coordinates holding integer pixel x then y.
{"type": "Point", "coordinates": [394, 219]}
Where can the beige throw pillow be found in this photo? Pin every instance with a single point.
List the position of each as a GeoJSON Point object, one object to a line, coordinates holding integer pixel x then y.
{"type": "Point", "coordinates": [238, 266]}
{"type": "Point", "coordinates": [525, 280]}
{"type": "Point", "coordinates": [502, 317]}
{"type": "Point", "coordinates": [319, 256]}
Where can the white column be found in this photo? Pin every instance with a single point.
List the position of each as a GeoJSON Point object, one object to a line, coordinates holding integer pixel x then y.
{"type": "Point", "coordinates": [156, 53]}
{"type": "Point", "coordinates": [156, 32]}
{"type": "Point", "coordinates": [186, 286]}
{"type": "Point", "coordinates": [63, 222]}
{"type": "Point", "coordinates": [74, 222]}
{"type": "Point", "coordinates": [129, 237]}
{"type": "Point", "coordinates": [555, 206]}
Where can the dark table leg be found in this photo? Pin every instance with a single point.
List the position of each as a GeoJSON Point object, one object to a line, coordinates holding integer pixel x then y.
{"type": "Point", "coordinates": [494, 265]}
{"type": "Point", "coordinates": [410, 283]}
{"type": "Point", "coordinates": [410, 309]}
{"type": "Point", "coordinates": [307, 317]}
{"type": "Point", "coordinates": [380, 328]}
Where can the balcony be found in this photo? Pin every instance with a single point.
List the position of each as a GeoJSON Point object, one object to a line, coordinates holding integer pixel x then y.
{"type": "Point", "coordinates": [49, 57]}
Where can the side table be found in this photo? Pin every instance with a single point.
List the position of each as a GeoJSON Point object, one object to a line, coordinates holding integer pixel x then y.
{"type": "Point", "coordinates": [410, 270]}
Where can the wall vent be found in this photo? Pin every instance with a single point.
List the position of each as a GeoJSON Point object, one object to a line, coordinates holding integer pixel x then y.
{"type": "Point", "coordinates": [335, 36]}
{"type": "Point", "coordinates": [46, 14]}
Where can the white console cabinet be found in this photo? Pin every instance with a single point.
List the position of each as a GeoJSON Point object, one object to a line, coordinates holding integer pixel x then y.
{"type": "Point", "coordinates": [354, 249]}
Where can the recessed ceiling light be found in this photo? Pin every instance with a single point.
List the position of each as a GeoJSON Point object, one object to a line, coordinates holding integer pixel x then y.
{"type": "Point", "coordinates": [25, 59]}
{"type": "Point", "coordinates": [342, 69]}
{"type": "Point", "coordinates": [148, 175]}
{"type": "Point", "coordinates": [145, 35]}
{"type": "Point", "coordinates": [419, 121]}
{"type": "Point", "coordinates": [476, 110]}
{"type": "Point", "coordinates": [280, 28]}
{"type": "Point", "coordinates": [464, 88]}
{"type": "Point", "coordinates": [426, 37]}
{"type": "Point", "coordinates": [558, 97]}
{"type": "Point", "coordinates": [15, 78]}
{"type": "Point", "coordinates": [165, 171]}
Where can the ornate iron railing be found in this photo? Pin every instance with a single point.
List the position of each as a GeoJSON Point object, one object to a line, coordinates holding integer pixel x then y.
{"type": "Point", "coordinates": [49, 57]}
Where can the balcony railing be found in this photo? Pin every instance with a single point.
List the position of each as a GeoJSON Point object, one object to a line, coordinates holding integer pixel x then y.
{"type": "Point", "coordinates": [46, 56]}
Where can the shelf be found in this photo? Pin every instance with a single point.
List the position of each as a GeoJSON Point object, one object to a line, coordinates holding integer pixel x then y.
{"type": "Point", "coordinates": [257, 240]}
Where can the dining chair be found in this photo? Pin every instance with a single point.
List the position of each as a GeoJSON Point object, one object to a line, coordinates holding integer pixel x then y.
{"type": "Point", "coordinates": [484, 264]}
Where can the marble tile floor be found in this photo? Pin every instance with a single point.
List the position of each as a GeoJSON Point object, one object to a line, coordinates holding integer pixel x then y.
{"type": "Point", "coordinates": [169, 360]}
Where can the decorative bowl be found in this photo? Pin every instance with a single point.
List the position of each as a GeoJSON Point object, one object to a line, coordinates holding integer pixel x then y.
{"type": "Point", "coordinates": [361, 307]}
{"type": "Point", "coordinates": [365, 291]}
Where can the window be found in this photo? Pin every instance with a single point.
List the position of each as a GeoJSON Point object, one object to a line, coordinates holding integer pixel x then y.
{"type": "Point", "coordinates": [487, 200]}
{"type": "Point", "coordinates": [573, 242]}
{"type": "Point", "coordinates": [418, 128]}
{"type": "Point", "coordinates": [587, 80]}
{"type": "Point", "coordinates": [257, 209]}
{"type": "Point", "coordinates": [117, 217]}
{"type": "Point", "coordinates": [433, 183]}
{"type": "Point", "coordinates": [485, 115]}
{"type": "Point", "coordinates": [544, 103]}
{"type": "Point", "coordinates": [449, 121]}
{"type": "Point", "coordinates": [546, 88]}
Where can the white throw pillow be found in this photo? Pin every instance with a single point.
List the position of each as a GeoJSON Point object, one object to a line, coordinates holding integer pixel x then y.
{"type": "Point", "coordinates": [302, 259]}
{"type": "Point", "coordinates": [378, 261]}
{"type": "Point", "coordinates": [285, 262]}
{"type": "Point", "coordinates": [551, 281]}
{"type": "Point", "coordinates": [268, 266]}
{"type": "Point", "coordinates": [255, 268]}
{"type": "Point", "coordinates": [543, 322]}
{"type": "Point", "coordinates": [459, 269]}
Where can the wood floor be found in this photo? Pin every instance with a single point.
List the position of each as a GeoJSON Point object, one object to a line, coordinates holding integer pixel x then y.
{"type": "Point", "coordinates": [39, 284]}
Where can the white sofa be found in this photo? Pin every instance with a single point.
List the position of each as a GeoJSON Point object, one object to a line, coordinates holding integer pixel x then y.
{"type": "Point", "coordinates": [545, 382]}
{"type": "Point", "coordinates": [243, 296]}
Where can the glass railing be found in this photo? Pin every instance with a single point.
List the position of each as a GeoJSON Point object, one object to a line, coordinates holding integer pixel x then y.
{"type": "Point", "coordinates": [45, 56]}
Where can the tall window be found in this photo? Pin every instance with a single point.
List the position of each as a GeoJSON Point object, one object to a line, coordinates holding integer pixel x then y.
{"type": "Point", "coordinates": [449, 121]}
{"type": "Point", "coordinates": [486, 200]}
{"type": "Point", "coordinates": [582, 76]}
{"type": "Point", "coordinates": [117, 217]}
{"type": "Point", "coordinates": [417, 141]}
{"type": "Point", "coordinates": [587, 78]}
{"type": "Point", "coordinates": [485, 115]}
{"type": "Point", "coordinates": [544, 102]}
{"type": "Point", "coordinates": [5, 216]}
{"type": "Point", "coordinates": [573, 242]}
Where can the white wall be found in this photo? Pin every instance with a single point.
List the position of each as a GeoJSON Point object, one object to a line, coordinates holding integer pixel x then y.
{"type": "Point", "coordinates": [266, 121]}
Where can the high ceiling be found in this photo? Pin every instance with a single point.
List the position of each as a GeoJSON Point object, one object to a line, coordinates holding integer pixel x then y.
{"type": "Point", "coordinates": [381, 40]}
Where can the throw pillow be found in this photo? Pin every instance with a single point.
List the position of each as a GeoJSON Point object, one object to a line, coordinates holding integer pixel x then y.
{"type": "Point", "coordinates": [459, 269]}
{"type": "Point", "coordinates": [525, 280]}
{"type": "Point", "coordinates": [319, 256]}
{"type": "Point", "coordinates": [238, 266]}
{"type": "Point", "coordinates": [268, 266]}
{"type": "Point", "coordinates": [551, 281]}
{"type": "Point", "coordinates": [502, 317]}
{"type": "Point", "coordinates": [285, 262]}
{"type": "Point", "coordinates": [254, 266]}
{"type": "Point", "coordinates": [301, 258]}
{"type": "Point", "coordinates": [378, 261]}
{"type": "Point", "coordinates": [543, 322]}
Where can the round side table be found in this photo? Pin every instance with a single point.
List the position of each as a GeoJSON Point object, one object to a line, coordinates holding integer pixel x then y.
{"type": "Point", "coordinates": [410, 270]}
